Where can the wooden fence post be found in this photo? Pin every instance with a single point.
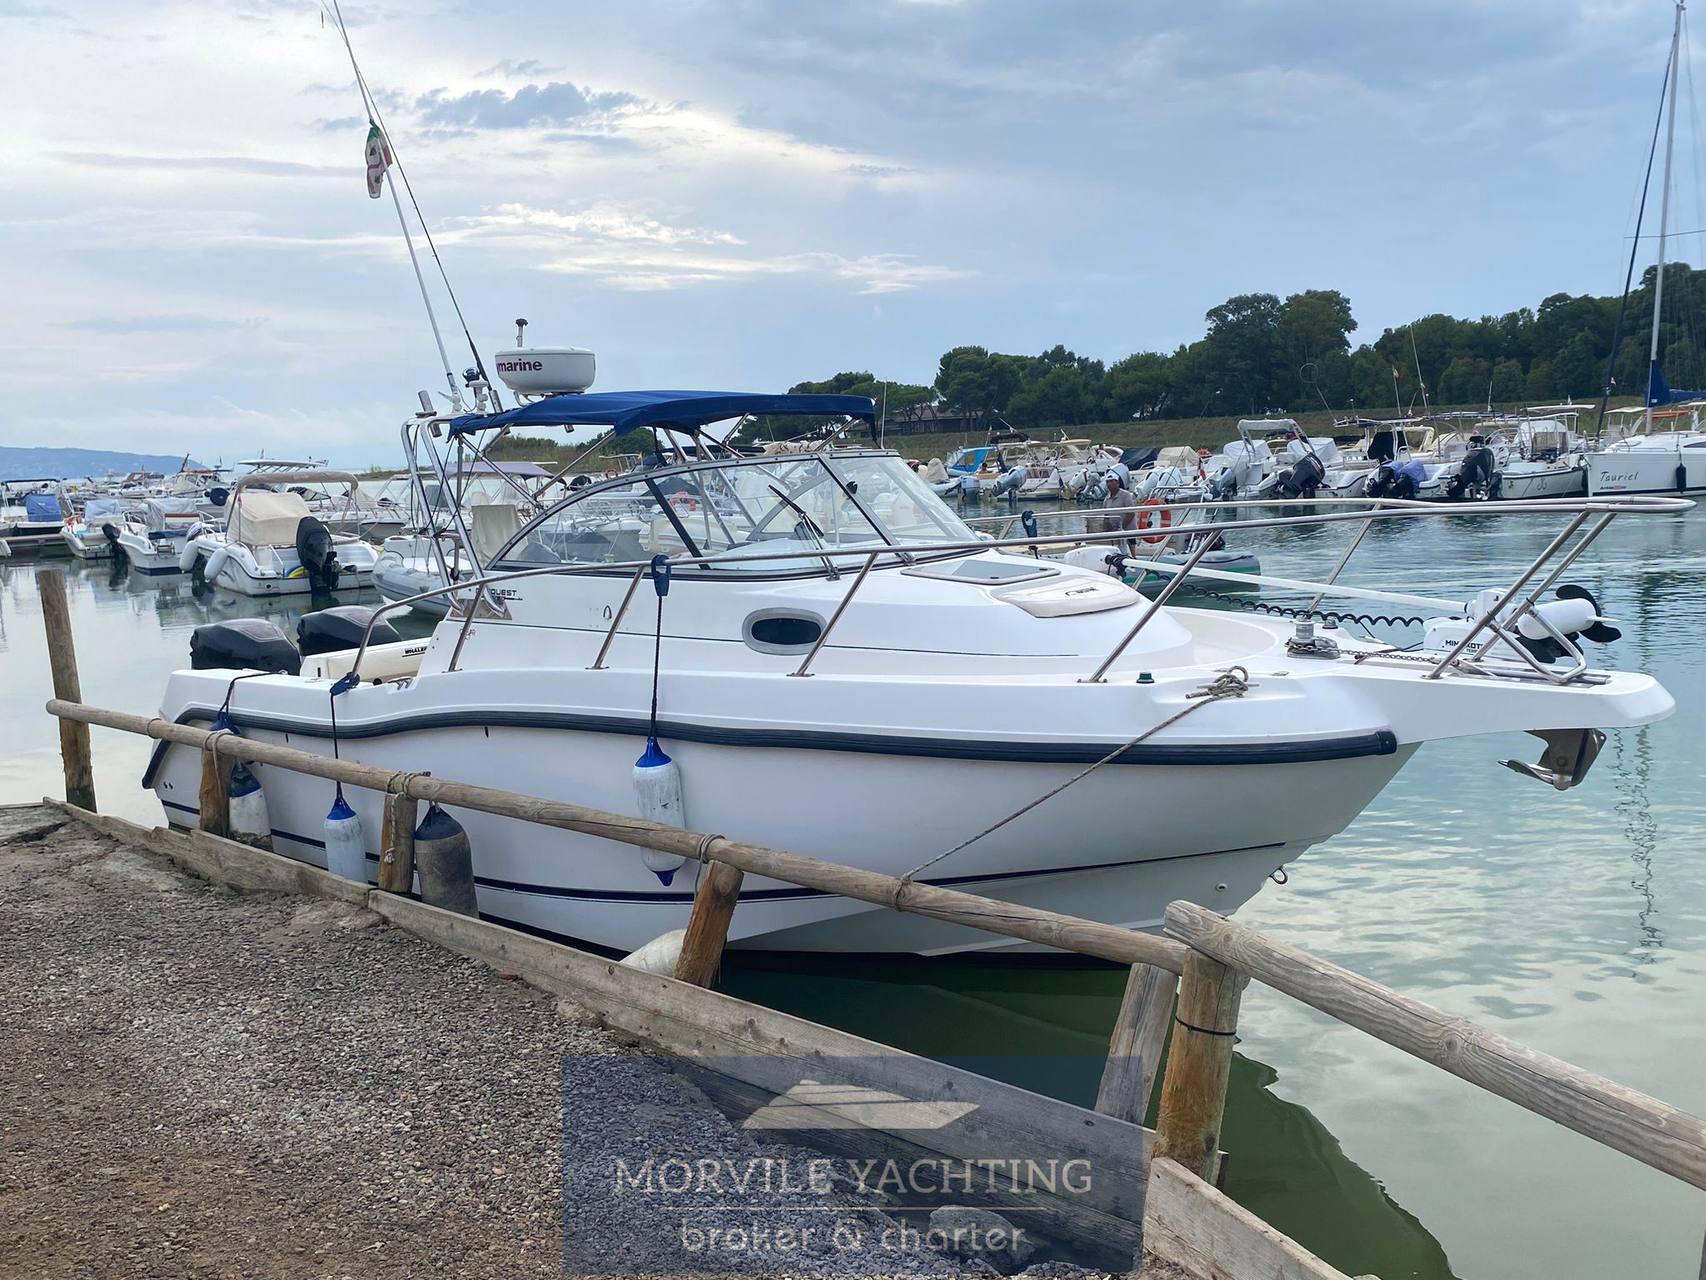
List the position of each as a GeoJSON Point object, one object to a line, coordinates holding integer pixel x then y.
{"type": "Point", "coordinates": [708, 927]}
{"type": "Point", "coordinates": [62, 658]}
{"type": "Point", "coordinates": [1193, 1092]}
{"type": "Point", "coordinates": [397, 845]}
{"type": "Point", "coordinates": [1134, 1047]}
{"type": "Point", "coordinates": [215, 801]}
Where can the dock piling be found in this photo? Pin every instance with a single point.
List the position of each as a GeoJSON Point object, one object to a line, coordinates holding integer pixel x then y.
{"type": "Point", "coordinates": [1134, 1047]}
{"type": "Point", "coordinates": [1193, 1092]}
{"type": "Point", "coordinates": [397, 843]}
{"type": "Point", "coordinates": [708, 927]}
{"type": "Point", "coordinates": [215, 801]}
{"type": "Point", "coordinates": [62, 658]}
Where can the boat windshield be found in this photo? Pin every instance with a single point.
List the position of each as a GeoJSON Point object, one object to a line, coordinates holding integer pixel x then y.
{"type": "Point", "coordinates": [736, 507]}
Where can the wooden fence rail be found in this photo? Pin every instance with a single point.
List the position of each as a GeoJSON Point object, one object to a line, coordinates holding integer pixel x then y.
{"type": "Point", "coordinates": [1624, 1119]}
{"type": "Point", "coordinates": [1068, 933]}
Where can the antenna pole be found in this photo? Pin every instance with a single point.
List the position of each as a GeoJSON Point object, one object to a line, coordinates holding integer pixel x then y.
{"type": "Point", "coordinates": [1664, 216]}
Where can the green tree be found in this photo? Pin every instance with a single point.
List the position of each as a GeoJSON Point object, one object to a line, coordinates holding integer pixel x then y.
{"type": "Point", "coordinates": [1576, 369]}
{"type": "Point", "coordinates": [1541, 385]}
{"type": "Point", "coordinates": [1241, 350]}
{"type": "Point", "coordinates": [1313, 336]}
{"type": "Point", "coordinates": [1510, 384]}
{"type": "Point", "coordinates": [1681, 366]}
{"type": "Point", "coordinates": [1140, 386]}
{"type": "Point", "coordinates": [977, 382]}
{"type": "Point", "coordinates": [1465, 381]}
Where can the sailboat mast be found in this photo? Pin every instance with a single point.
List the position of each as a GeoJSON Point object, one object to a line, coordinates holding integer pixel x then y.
{"type": "Point", "coordinates": [1664, 215]}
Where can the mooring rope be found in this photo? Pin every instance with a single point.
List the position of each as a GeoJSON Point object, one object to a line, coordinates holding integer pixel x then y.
{"type": "Point", "coordinates": [1234, 682]}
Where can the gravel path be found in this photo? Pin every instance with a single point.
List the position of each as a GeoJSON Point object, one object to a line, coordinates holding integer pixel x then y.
{"type": "Point", "coordinates": [200, 1083]}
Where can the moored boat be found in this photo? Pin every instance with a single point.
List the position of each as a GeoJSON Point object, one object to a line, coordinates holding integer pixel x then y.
{"type": "Point", "coordinates": [841, 667]}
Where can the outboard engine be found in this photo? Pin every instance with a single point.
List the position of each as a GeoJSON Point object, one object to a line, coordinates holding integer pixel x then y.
{"type": "Point", "coordinates": [1010, 482]}
{"type": "Point", "coordinates": [1477, 475]}
{"type": "Point", "coordinates": [247, 644]}
{"type": "Point", "coordinates": [1389, 481]}
{"type": "Point", "coordinates": [333, 630]}
{"type": "Point", "coordinates": [314, 551]}
{"type": "Point", "coordinates": [1224, 485]}
{"type": "Point", "coordinates": [109, 531]}
{"type": "Point", "coordinates": [1301, 479]}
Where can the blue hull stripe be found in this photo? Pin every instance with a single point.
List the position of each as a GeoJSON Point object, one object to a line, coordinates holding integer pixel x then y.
{"type": "Point", "coordinates": [1379, 742]}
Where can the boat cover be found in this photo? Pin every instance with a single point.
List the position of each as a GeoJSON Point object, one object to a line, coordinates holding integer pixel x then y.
{"type": "Point", "coordinates": [626, 411]}
{"type": "Point", "coordinates": [42, 508]}
{"type": "Point", "coordinates": [262, 518]}
{"type": "Point", "coordinates": [102, 509]}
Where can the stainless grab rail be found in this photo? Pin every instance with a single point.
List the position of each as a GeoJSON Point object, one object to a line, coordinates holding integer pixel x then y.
{"type": "Point", "coordinates": [1365, 509]}
{"type": "Point", "coordinates": [835, 617]}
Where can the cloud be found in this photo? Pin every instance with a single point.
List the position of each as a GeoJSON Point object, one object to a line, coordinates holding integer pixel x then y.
{"type": "Point", "coordinates": [602, 221]}
{"type": "Point", "coordinates": [531, 106]}
{"type": "Point", "coordinates": [528, 67]}
{"type": "Point", "coordinates": [626, 249]}
{"type": "Point", "coordinates": [257, 166]}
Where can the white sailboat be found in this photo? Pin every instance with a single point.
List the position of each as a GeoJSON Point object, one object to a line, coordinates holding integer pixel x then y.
{"type": "Point", "coordinates": [1667, 454]}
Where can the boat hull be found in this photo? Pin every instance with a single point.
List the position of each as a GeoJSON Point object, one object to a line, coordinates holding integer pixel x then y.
{"type": "Point", "coordinates": [151, 556]}
{"type": "Point", "coordinates": [1647, 471]}
{"type": "Point", "coordinates": [1118, 847]}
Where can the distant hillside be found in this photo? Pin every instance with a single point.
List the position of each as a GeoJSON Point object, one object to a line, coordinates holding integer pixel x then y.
{"type": "Point", "coordinates": [29, 464]}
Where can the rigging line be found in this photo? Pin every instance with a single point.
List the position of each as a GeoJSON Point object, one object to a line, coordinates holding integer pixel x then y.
{"type": "Point", "coordinates": [1691, 316]}
{"type": "Point", "coordinates": [402, 223]}
{"type": "Point", "coordinates": [377, 117]}
{"type": "Point", "coordinates": [1634, 249]}
{"type": "Point", "coordinates": [1234, 682]}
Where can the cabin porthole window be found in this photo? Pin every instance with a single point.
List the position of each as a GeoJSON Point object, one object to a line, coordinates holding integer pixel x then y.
{"type": "Point", "coordinates": [782, 631]}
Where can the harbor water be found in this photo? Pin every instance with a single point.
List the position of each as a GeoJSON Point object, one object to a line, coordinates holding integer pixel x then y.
{"type": "Point", "coordinates": [1573, 922]}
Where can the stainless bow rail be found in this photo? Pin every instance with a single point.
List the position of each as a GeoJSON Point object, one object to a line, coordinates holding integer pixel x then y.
{"type": "Point", "coordinates": [1501, 620]}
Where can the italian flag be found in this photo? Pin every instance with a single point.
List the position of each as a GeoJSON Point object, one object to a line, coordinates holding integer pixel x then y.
{"type": "Point", "coordinates": [378, 160]}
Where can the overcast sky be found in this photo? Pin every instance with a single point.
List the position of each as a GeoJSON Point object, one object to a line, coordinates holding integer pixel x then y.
{"type": "Point", "coordinates": [746, 193]}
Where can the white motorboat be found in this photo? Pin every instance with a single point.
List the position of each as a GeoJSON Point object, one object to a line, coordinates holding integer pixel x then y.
{"type": "Point", "coordinates": [344, 508]}
{"type": "Point", "coordinates": [1171, 474]}
{"type": "Point", "coordinates": [92, 533]}
{"type": "Point", "coordinates": [153, 534]}
{"type": "Point", "coordinates": [30, 510]}
{"type": "Point", "coordinates": [1249, 468]}
{"type": "Point", "coordinates": [1543, 457]}
{"type": "Point", "coordinates": [272, 544]}
{"type": "Point", "coordinates": [842, 668]}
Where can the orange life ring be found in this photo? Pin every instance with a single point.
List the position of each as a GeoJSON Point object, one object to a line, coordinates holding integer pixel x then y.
{"type": "Point", "coordinates": [1161, 517]}
{"type": "Point", "coordinates": [611, 473]}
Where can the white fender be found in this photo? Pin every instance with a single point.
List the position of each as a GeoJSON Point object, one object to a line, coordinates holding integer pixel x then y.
{"type": "Point", "coordinates": [659, 955]}
{"type": "Point", "coordinates": [215, 563]}
{"type": "Point", "coordinates": [188, 556]}
{"type": "Point", "coordinates": [657, 792]}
